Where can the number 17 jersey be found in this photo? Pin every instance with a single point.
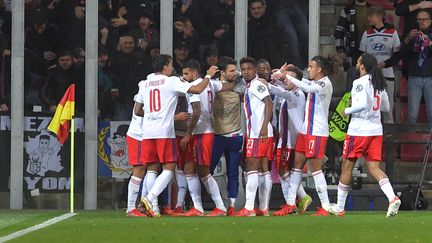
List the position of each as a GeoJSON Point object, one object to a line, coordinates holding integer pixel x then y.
{"type": "Point", "coordinates": [159, 95]}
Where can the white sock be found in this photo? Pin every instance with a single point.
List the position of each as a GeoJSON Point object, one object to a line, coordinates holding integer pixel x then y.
{"type": "Point", "coordinates": [321, 188]}
{"type": "Point", "coordinates": [261, 190]}
{"type": "Point", "coordinates": [295, 180]}
{"type": "Point", "coordinates": [284, 180]}
{"type": "Point", "coordinates": [144, 190]}
{"type": "Point", "coordinates": [133, 189]}
{"type": "Point", "coordinates": [251, 188]}
{"type": "Point", "coordinates": [268, 183]}
{"type": "Point", "coordinates": [232, 202]}
{"type": "Point", "coordinates": [214, 192]}
{"type": "Point", "coordinates": [150, 181]}
{"type": "Point", "coordinates": [161, 182]}
{"type": "Point", "coordinates": [182, 188]}
{"type": "Point", "coordinates": [387, 188]}
{"type": "Point", "coordinates": [342, 194]}
{"type": "Point", "coordinates": [195, 190]}
{"type": "Point", "coordinates": [301, 193]}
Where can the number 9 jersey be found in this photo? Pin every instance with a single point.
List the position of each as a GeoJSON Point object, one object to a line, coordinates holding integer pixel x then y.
{"type": "Point", "coordinates": [159, 95]}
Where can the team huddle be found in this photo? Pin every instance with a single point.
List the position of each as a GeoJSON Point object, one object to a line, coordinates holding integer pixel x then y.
{"type": "Point", "coordinates": [286, 122]}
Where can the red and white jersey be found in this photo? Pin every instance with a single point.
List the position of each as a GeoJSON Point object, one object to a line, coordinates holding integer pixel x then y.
{"type": "Point", "coordinates": [291, 115]}
{"type": "Point", "coordinates": [317, 105]}
{"type": "Point", "coordinates": [254, 106]}
{"type": "Point", "coordinates": [206, 99]}
{"type": "Point", "coordinates": [366, 107]}
{"type": "Point", "coordinates": [135, 129]}
{"type": "Point", "coordinates": [159, 97]}
{"type": "Point", "coordinates": [382, 44]}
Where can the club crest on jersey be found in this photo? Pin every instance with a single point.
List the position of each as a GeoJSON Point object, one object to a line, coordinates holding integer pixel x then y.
{"type": "Point", "coordinates": [359, 88]}
{"type": "Point", "coordinates": [321, 83]}
{"type": "Point", "coordinates": [296, 93]}
{"type": "Point", "coordinates": [261, 88]}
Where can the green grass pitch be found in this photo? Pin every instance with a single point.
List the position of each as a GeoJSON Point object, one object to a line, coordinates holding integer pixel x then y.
{"type": "Point", "coordinates": [114, 226]}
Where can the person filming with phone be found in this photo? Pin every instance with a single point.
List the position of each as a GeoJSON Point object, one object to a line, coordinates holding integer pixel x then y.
{"type": "Point", "coordinates": [419, 60]}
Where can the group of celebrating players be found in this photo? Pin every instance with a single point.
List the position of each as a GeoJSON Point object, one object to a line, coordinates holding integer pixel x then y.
{"type": "Point", "coordinates": [286, 121]}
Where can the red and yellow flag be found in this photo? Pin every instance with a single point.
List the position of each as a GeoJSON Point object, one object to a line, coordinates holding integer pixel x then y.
{"type": "Point", "coordinates": [64, 113]}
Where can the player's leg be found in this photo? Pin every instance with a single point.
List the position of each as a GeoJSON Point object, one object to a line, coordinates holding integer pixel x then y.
{"type": "Point", "coordinates": [264, 187]}
{"type": "Point", "coordinates": [181, 179]}
{"type": "Point", "coordinates": [194, 186]}
{"type": "Point", "coordinates": [139, 169]}
{"type": "Point", "coordinates": [203, 145]}
{"type": "Point", "coordinates": [232, 158]}
{"type": "Point", "coordinates": [167, 154]}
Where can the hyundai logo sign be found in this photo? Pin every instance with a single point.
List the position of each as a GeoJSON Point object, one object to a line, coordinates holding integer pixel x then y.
{"type": "Point", "coordinates": [378, 47]}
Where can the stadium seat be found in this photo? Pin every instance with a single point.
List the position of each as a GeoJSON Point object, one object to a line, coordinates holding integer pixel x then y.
{"type": "Point", "coordinates": [414, 152]}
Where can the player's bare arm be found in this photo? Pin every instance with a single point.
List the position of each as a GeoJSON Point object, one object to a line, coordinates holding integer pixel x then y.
{"type": "Point", "coordinates": [196, 113]}
{"type": "Point", "coordinates": [197, 89]}
{"type": "Point", "coordinates": [268, 112]}
{"type": "Point", "coordinates": [138, 109]}
{"type": "Point", "coordinates": [182, 116]}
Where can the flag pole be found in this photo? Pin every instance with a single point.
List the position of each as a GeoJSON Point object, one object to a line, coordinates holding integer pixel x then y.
{"type": "Point", "coordinates": [72, 182]}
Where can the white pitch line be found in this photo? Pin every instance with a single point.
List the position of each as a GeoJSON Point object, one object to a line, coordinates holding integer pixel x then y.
{"type": "Point", "coordinates": [36, 227]}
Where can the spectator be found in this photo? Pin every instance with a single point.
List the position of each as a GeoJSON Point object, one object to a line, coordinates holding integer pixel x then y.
{"type": "Point", "coordinates": [419, 57]}
{"type": "Point", "coordinates": [104, 78]}
{"type": "Point", "coordinates": [153, 49]}
{"type": "Point", "coordinates": [44, 40]}
{"type": "Point", "coordinates": [260, 27]}
{"type": "Point", "coordinates": [382, 41]}
{"type": "Point", "coordinates": [130, 64]}
{"type": "Point", "coordinates": [187, 33]}
{"type": "Point", "coordinates": [218, 25]}
{"type": "Point", "coordinates": [352, 23]}
{"type": "Point", "coordinates": [145, 34]}
{"type": "Point", "coordinates": [409, 9]}
{"type": "Point", "coordinates": [293, 23]}
{"type": "Point", "coordinates": [210, 57]}
{"type": "Point", "coordinates": [181, 56]}
{"type": "Point", "coordinates": [59, 79]}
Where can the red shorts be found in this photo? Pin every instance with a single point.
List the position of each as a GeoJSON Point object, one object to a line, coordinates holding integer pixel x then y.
{"type": "Point", "coordinates": [202, 148]}
{"type": "Point", "coordinates": [159, 150]}
{"type": "Point", "coordinates": [183, 155]}
{"type": "Point", "coordinates": [360, 146]}
{"type": "Point", "coordinates": [284, 158]}
{"type": "Point", "coordinates": [134, 148]}
{"type": "Point", "coordinates": [312, 146]}
{"type": "Point", "coordinates": [256, 148]}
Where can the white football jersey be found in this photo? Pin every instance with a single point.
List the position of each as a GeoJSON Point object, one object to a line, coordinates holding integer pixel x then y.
{"type": "Point", "coordinates": [135, 129]}
{"type": "Point", "coordinates": [254, 107]}
{"type": "Point", "coordinates": [159, 96]}
{"type": "Point", "coordinates": [366, 107]}
{"type": "Point", "coordinates": [206, 99]}
{"type": "Point", "coordinates": [317, 105]}
{"type": "Point", "coordinates": [291, 115]}
{"type": "Point", "coordinates": [382, 44]}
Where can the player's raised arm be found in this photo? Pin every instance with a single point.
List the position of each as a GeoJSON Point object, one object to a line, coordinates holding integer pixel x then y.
{"type": "Point", "coordinates": [197, 89]}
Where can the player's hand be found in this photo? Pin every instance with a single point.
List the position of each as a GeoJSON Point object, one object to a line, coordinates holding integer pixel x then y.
{"type": "Point", "coordinates": [184, 141]}
{"type": "Point", "coordinates": [182, 116]}
{"type": "Point", "coordinates": [263, 133]}
{"type": "Point", "coordinates": [263, 81]}
{"type": "Point", "coordinates": [212, 71]}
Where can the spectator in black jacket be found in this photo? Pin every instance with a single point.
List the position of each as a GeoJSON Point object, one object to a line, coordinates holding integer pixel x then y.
{"type": "Point", "coordinates": [409, 9]}
{"type": "Point", "coordinates": [59, 79]}
{"type": "Point", "coordinates": [262, 34]}
{"type": "Point", "coordinates": [130, 64]}
{"type": "Point", "coordinates": [218, 25]}
{"type": "Point", "coordinates": [418, 50]}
